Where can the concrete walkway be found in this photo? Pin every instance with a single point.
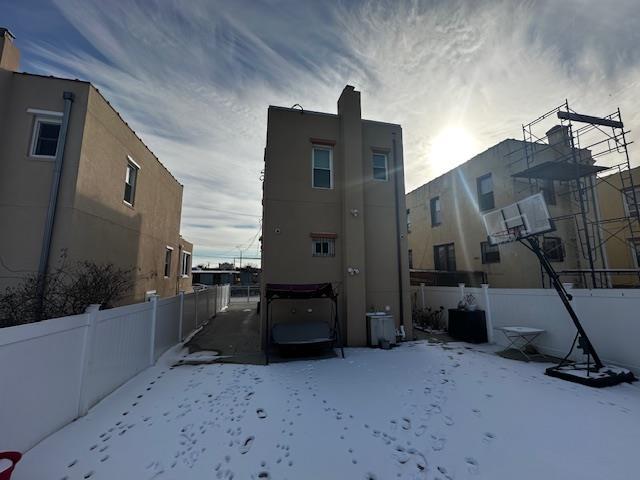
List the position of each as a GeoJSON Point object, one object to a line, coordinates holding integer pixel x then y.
{"type": "Point", "coordinates": [234, 333]}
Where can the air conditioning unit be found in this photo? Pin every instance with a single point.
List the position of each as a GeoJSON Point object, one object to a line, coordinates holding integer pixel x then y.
{"type": "Point", "coordinates": [381, 327]}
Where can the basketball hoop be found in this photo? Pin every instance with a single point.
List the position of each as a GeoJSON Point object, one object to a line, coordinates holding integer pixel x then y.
{"type": "Point", "coordinates": [522, 222]}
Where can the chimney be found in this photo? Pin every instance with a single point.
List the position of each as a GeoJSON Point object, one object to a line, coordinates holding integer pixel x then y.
{"type": "Point", "coordinates": [559, 136]}
{"type": "Point", "coordinates": [9, 53]}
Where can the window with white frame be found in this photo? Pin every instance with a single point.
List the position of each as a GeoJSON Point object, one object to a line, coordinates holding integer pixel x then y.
{"type": "Point", "coordinates": [185, 265]}
{"type": "Point", "coordinates": [380, 171]}
{"type": "Point", "coordinates": [323, 247]}
{"type": "Point", "coordinates": [167, 261]}
{"type": "Point", "coordinates": [631, 204]}
{"type": "Point", "coordinates": [130, 181]}
{"type": "Point", "coordinates": [46, 133]}
{"type": "Point", "coordinates": [322, 163]}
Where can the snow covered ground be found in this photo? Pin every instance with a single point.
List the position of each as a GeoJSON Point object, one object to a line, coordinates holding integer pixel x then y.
{"type": "Point", "coordinates": [419, 411]}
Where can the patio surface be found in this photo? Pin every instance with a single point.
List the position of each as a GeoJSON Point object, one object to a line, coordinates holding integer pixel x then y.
{"type": "Point", "coordinates": [419, 411]}
{"type": "Point", "coordinates": [233, 333]}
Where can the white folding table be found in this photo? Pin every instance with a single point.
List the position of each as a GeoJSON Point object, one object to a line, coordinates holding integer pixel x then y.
{"type": "Point", "coordinates": [521, 337]}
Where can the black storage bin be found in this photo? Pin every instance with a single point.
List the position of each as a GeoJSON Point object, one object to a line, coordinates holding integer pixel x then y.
{"type": "Point", "coordinates": [468, 325]}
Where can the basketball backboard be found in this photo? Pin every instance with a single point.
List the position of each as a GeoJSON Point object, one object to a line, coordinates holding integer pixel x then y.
{"type": "Point", "coordinates": [522, 219]}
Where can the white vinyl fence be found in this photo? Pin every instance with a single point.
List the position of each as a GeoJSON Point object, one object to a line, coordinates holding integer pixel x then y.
{"type": "Point", "coordinates": [53, 371]}
{"type": "Point", "coordinates": [609, 316]}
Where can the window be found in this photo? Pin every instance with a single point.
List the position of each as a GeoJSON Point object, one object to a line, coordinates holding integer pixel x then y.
{"type": "Point", "coordinates": [380, 166]}
{"type": "Point", "coordinates": [436, 217]}
{"type": "Point", "coordinates": [410, 258]}
{"type": "Point", "coordinates": [185, 264]}
{"type": "Point", "coordinates": [548, 190]}
{"type": "Point", "coordinates": [130, 180]}
{"type": "Point", "coordinates": [631, 204]}
{"type": "Point", "coordinates": [444, 257]}
{"type": "Point", "coordinates": [635, 251]}
{"type": "Point", "coordinates": [408, 220]}
{"type": "Point", "coordinates": [553, 249]}
{"type": "Point", "coordinates": [485, 192]}
{"type": "Point", "coordinates": [322, 167]}
{"type": "Point", "coordinates": [45, 137]}
{"type": "Point", "coordinates": [323, 247]}
{"type": "Point", "coordinates": [167, 261]}
{"type": "Point", "coordinates": [490, 253]}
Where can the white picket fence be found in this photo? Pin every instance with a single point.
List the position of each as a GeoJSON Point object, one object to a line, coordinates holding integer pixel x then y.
{"type": "Point", "coordinates": [609, 316]}
{"type": "Point", "coordinates": [52, 372]}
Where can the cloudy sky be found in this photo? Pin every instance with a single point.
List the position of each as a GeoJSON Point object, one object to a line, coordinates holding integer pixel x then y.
{"type": "Point", "coordinates": [195, 77]}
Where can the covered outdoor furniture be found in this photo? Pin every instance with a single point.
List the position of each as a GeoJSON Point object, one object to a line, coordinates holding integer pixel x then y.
{"type": "Point", "coordinates": [520, 338]}
{"type": "Point", "coordinates": [468, 325]}
{"type": "Point", "coordinates": [307, 333]}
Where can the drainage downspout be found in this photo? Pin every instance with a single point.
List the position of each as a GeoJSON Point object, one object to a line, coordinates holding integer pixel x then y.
{"type": "Point", "coordinates": [53, 198]}
{"type": "Point", "coordinates": [398, 231]}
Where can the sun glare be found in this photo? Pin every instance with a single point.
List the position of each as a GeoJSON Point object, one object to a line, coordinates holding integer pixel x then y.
{"type": "Point", "coordinates": [451, 147]}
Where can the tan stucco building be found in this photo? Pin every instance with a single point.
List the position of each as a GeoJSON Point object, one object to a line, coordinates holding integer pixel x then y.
{"type": "Point", "coordinates": [334, 211]}
{"type": "Point", "coordinates": [623, 228]}
{"type": "Point", "coordinates": [447, 233]}
{"type": "Point", "coordinates": [116, 203]}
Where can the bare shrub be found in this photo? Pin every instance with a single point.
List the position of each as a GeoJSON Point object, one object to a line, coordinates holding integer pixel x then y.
{"type": "Point", "coordinates": [68, 290]}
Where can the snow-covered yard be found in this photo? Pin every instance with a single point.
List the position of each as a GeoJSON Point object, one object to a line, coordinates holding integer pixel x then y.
{"type": "Point", "coordinates": [419, 411]}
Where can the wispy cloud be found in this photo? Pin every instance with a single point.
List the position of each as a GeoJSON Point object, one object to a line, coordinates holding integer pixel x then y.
{"type": "Point", "coordinates": [195, 79]}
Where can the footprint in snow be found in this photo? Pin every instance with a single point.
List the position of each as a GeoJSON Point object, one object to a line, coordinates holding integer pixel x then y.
{"type": "Point", "coordinates": [472, 465]}
{"type": "Point", "coordinates": [448, 421]}
{"type": "Point", "coordinates": [406, 424]}
{"type": "Point", "coordinates": [488, 437]}
{"type": "Point", "coordinates": [437, 443]}
{"type": "Point", "coordinates": [246, 445]}
{"type": "Point", "coordinates": [400, 455]}
{"type": "Point", "coordinates": [420, 430]}
{"type": "Point", "coordinates": [444, 472]}
{"type": "Point", "coordinates": [477, 412]}
{"type": "Point", "coordinates": [261, 413]}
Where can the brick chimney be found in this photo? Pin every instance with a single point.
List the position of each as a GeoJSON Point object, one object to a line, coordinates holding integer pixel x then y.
{"type": "Point", "coordinates": [9, 53]}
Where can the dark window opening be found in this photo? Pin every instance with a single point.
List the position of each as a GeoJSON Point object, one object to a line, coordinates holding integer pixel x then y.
{"type": "Point", "coordinates": [436, 213]}
{"type": "Point", "coordinates": [167, 262]}
{"type": "Point", "coordinates": [444, 257]}
{"type": "Point", "coordinates": [322, 167]}
{"type": "Point", "coordinates": [130, 180]}
{"type": "Point", "coordinates": [323, 247]}
{"type": "Point", "coordinates": [380, 166]}
{"type": "Point", "coordinates": [490, 253]}
{"type": "Point", "coordinates": [547, 187]}
{"type": "Point", "coordinates": [46, 141]}
{"type": "Point", "coordinates": [485, 192]}
{"type": "Point", "coordinates": [553, 249]}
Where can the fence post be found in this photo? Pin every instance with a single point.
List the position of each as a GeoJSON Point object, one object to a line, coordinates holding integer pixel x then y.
{"type": "Point", "coordinates": [422, 295]}
{"type": "Point", "coordinates": [195, 304]}
{"type": "Point", "coordinates": [248, 293]}
{"type": "Point", "coordinates": [154, 317]}
{"type": "Point", "coordinates": [215, 302]}
{"type": "Point", "coordinates": [461, 287]}
{"type": "Point", "coordinates": [487, 307]}
{"type": "Point", "coordinates": [180, 314]}
{"type": "Point", "coordinates": [87, 346]}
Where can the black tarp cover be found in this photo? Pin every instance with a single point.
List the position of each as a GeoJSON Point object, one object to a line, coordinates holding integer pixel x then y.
{"type": "Point", "coordinates": [299, 291]}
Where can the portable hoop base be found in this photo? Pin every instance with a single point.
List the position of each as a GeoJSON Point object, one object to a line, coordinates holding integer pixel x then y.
{"type": "Point", "coordinates": [590, 375]}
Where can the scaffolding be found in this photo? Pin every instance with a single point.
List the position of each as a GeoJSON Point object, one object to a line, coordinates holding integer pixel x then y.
{"type": "Point", "coordinates": [582, 152]}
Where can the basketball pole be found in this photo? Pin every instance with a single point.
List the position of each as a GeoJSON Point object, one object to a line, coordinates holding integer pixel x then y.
{"type": "Point", "coordinates": [566, 297]}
